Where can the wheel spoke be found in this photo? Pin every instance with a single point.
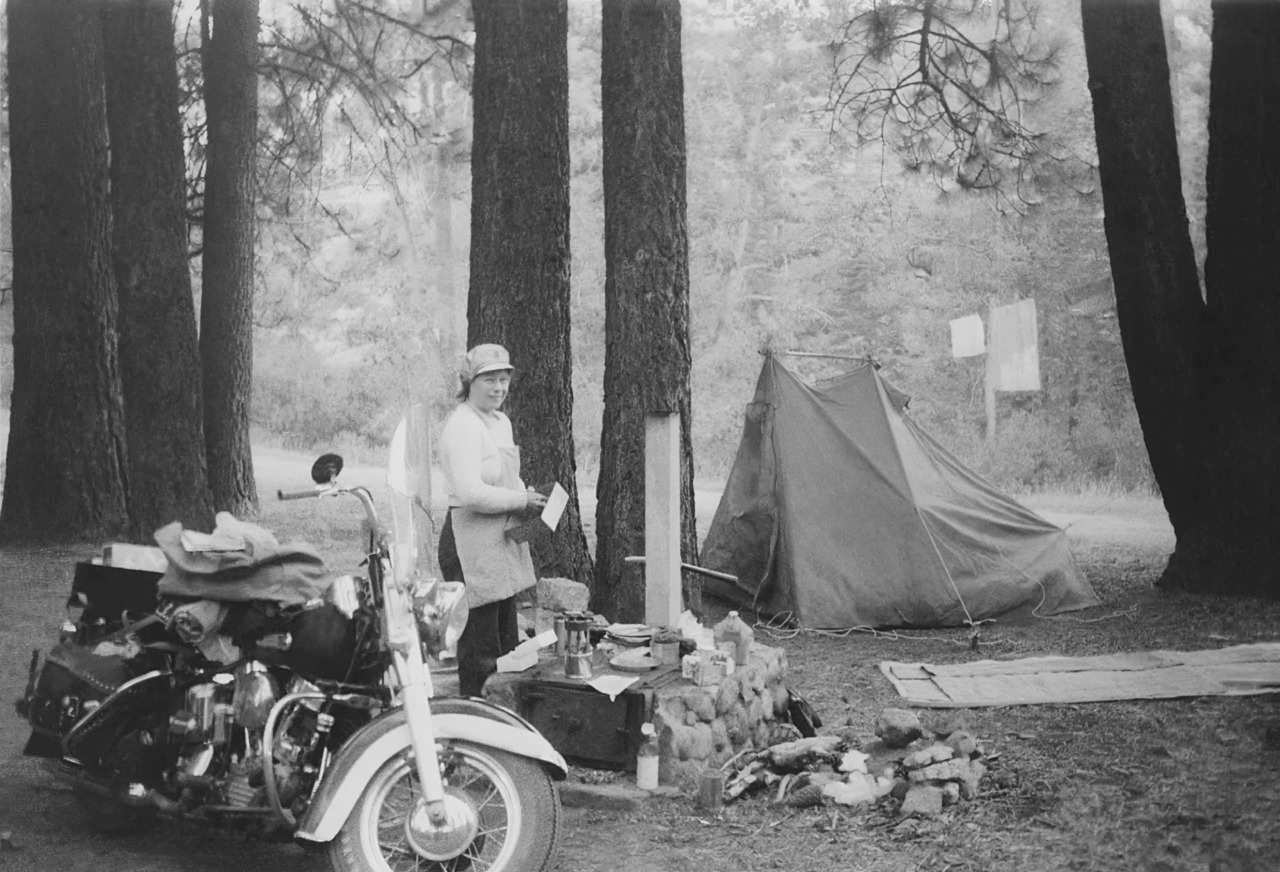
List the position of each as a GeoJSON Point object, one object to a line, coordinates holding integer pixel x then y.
{"type": "Point", "coordinates": [473, 781]}
{"type": "Point", "coordinates": [487, 800]}
{"type": "Point", "coordinates": [402, 859]}
{"type": "Point", "coordinates": [392, 839]}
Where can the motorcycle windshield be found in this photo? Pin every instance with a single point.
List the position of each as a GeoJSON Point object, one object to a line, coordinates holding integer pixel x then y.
{"type": "Point", "coordinates": [409, 485]}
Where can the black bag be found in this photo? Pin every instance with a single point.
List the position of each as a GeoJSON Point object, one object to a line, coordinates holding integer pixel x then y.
{"type": "Point", "coordinates": [70, 682]}
{"type": "Point", "coordinates": [317, 641]}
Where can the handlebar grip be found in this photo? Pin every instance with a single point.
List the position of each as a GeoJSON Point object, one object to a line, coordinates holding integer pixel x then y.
{"type": "Point", "coordinates": [296, 495]}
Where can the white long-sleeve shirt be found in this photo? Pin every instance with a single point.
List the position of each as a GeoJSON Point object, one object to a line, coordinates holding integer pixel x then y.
{"type": "Point", "coordinates": [471, 456]}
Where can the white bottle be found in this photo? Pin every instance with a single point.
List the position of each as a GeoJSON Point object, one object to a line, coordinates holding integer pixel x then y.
{"type": "Point", "coordinates": [647, 758]}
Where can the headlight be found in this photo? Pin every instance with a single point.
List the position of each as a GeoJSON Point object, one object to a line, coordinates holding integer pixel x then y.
{"type": "Point", "coordinates": [441, 609]}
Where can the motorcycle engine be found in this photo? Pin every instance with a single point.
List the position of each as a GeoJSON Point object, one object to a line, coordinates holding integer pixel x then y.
{"type": "Point", "coordinates": [219, 735]}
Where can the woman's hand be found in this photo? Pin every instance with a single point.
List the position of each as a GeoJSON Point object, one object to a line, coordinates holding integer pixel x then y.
{"type": "Point", "coordinates": [534, 501]}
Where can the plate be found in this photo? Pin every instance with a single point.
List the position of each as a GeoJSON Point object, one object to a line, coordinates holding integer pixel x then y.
{"type": "Point", "coordinates": [630, 629]}
{"type": "Point", "coordinates": [634, 661]}
{"type": "Point", "coordinates": [630, 634]}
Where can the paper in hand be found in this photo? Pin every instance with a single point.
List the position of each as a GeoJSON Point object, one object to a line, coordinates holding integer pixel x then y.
{"type": "Point", "coordinates": [557, 500]}
{"type": "Point", "coordinates": [544, 523]}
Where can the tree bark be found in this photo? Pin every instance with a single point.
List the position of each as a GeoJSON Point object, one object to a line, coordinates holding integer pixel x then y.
{"type": "Point", "coordinates": [1158, 300]}
{"type": "Point", "coordinates": [519, 291]}
{"type": "Point", "coordinates": [226, 306]}
{"type": "Point", "coordinates": [66, 461]}
{"type": "Point", "coordinates": [1205, 369]}
{"type": "Point", "coordinates": [1232, 543]}
{"type": "Point", "coordinates": [159, 356]}
{"type": "Point", "coordinates": [647, 356]}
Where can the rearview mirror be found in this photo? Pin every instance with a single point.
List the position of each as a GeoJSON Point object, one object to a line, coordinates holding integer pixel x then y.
{"type": "Point", "coordinates": [326, 468]}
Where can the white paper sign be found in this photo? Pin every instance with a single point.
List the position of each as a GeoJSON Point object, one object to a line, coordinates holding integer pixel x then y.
{"type": "Point", "coordinates": [1015, 346]}
{"type": "Point", "coordinates": [966, 336]}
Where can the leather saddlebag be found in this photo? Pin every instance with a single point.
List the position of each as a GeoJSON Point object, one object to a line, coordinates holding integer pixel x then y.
{"type": "Point", "coordinates": [71, 682]}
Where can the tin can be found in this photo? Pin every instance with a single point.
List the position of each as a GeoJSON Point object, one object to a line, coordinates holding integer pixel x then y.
{"type": "Point", "coordinates": [665, 650]}
{"type": "Point", "coordinates": [689, 667]}
{"type": "Point", "coordinates": [711, 790]}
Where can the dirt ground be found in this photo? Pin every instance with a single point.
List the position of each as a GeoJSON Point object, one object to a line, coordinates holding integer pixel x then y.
{"type": "Point", "coordinates": [1172, 786]}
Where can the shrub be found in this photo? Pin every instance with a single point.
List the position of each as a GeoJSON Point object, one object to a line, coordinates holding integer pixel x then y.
{"type": "Point", "coordinates": [308, 403]}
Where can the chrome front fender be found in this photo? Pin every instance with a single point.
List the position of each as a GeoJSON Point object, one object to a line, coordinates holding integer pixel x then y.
{"type": "Point", "coordinates": [387, 736]}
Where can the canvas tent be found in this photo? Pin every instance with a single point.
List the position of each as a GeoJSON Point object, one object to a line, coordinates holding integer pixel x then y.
{"type": "Point", "coordinates": [841, 512]}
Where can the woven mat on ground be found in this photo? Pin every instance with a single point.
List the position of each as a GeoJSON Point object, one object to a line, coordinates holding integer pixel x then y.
{"type": "Point", "coordinates": [1238, 670]}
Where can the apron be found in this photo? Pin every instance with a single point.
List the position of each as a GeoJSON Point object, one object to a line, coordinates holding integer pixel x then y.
{"type": "Point", "coordinates": [494, 566]}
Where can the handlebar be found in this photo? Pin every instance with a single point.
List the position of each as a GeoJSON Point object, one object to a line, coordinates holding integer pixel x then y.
{"type": "Point", "coordinates": [332, 489]}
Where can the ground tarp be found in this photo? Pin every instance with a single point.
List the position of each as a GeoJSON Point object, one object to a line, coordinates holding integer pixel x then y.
{"type": "Point", "coordinates": [1235, 671]}
{"type": "Point", "coordinates": [840, 512]}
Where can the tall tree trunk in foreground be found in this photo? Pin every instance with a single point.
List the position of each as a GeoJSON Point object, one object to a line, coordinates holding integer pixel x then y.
{"type": "Point", "coordinates": [1157, 288]}
{"type": "Point", "coordinates": [1233, 544]}
{"type": "Point", "coordinates": [1206, 375]}
{"type": "Point", "coordinates": [226, 306]}
{"type": "Point", "coordinates": [159, 356]}
{"type": "Point", "coordinates": [647, 357]}
{"type": "Point", "coordinates": [519, 293]}
{"type": "Point", "coordinates": [66, 464]}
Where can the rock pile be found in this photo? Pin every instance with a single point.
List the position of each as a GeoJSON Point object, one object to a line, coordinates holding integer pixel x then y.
{"type": "Point", "coordinates": [924, 770]}
{"type": "Point", "coordinates": [706, 726]}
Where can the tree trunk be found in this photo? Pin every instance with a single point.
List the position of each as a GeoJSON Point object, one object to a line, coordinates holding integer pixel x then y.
{"type": "Point", "coordinates": [1205, 376]}
{"type": "Point", "coordinates": [66, 459]}
{"type": "Point", "coordinates": [647, 357]}
{"type": "Point", "coordinates": [519, 293]}
{"type": "Point", "coordinates": [1232, 543]}
{"type": "Point", "coordinates": [159, 357]}
{"type": "Point", "coordinates": [1158, 299]}
{"type": "Point", "coordinates": [226, 307]}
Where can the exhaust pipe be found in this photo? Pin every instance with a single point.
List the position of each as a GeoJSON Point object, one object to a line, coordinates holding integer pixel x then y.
{"type": "Point", "coordinates": [68, 771]}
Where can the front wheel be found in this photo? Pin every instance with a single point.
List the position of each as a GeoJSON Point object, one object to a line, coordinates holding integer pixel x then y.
{"type": "Point", "coordinates": [505, 807]}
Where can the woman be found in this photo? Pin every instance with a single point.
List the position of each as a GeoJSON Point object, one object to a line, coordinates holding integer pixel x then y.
{"type": "Point", "coordinates": [486, 496]}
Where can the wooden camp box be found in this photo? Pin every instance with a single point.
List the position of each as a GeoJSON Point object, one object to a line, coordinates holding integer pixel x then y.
{"type": "Point", "coordinates": [582, 723]}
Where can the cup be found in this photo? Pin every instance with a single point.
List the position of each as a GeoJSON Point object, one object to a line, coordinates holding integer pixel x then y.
{"type": "Point", "coordinates": [665, 651]}
{"type": "Point", "coordinates": [711, 790]}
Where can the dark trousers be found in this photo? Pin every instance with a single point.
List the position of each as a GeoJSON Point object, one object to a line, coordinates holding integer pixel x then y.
{"type": "Point", "coordinates": [491, 631]}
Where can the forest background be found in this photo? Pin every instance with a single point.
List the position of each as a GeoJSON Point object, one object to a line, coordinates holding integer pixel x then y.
{"type": "Point", "coordinates": [798, 239]}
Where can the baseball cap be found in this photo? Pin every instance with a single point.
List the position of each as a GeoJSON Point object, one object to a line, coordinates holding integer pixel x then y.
{"type": "Point", "coordinates": [485, 358]}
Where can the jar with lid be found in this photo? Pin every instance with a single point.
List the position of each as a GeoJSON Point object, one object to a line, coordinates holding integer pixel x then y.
{"type": "Point", "coordinates": [735, 637]}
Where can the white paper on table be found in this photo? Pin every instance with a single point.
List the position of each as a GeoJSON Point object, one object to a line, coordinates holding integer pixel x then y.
{"type": "Point", "coordinates": [612, 685]}
{"type": "Point", "coordinates": [556, 502]}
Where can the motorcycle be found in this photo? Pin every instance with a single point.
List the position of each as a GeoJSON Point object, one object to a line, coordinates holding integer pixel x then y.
{"type": "Point", "coordinates": [313, 720]}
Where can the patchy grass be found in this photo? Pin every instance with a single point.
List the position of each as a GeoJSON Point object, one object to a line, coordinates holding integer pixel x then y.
{"type": "Point", "coordinates": [1164, 786]}
{"type": "Point", "coordinates": [1158, 786]}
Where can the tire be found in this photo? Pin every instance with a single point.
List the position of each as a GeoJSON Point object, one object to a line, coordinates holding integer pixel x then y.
{"type": "Point", "coordinates": [518, 802]}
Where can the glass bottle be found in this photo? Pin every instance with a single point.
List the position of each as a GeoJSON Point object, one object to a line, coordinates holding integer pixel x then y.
{"type": "Point", "coordinates": [733, 636]}
{"type": "Point", "coordinates": [647, 758]}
